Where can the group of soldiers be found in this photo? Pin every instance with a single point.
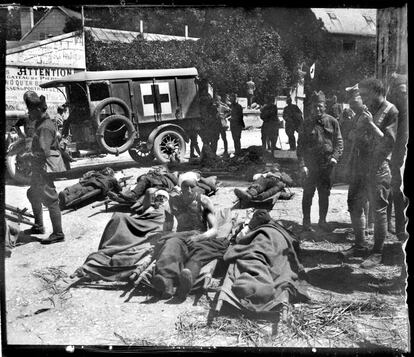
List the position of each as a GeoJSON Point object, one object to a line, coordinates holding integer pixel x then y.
{"type": "Point", "coordinates": [216, 115]}
{"type": "Point", "coordinates": [377, 138]}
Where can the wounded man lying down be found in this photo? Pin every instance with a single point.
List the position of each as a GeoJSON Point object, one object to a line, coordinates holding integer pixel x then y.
{"type": "Point", "coordinates": [266, 185]}
{"type": "Point", "coordinates": [264, 270]}
{"type": "Point", "coordinates": [127, 239]}
{"type": "Point", "coordinates": [196, 242]}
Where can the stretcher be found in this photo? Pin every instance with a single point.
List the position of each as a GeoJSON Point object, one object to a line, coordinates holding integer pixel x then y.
{"type": "Point", "coordinates": [267, 203]}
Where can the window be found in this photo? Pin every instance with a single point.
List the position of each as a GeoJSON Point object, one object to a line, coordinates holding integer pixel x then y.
{"type": "Point", "coordinates": [349, 45]}
{"type": "Point", "coordinates": [98, 91]}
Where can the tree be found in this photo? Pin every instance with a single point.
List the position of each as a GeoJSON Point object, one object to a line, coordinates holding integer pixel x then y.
{"type": "Point", "coordinates": [239, 45]}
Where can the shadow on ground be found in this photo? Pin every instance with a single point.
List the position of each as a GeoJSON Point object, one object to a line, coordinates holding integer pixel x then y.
{"type": "Point", "coordinates": [344, 280]}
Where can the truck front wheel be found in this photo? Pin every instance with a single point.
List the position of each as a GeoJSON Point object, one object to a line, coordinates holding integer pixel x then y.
{"type": "Point", "coordinates": [169, 144]}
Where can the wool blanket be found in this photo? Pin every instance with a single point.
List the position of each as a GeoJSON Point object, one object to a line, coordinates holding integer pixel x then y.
{"type": "Point", "coordinates": [263, 266]}
{"type": "Point", "coordinates": [125, 241]}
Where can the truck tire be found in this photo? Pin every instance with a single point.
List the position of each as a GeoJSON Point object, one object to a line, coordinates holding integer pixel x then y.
{"type": "Point", "coordinates": [116, 134]}
{"type": "Point", "coordinates": [108, 101]}
{"type": "Point", "coordinates": [168, 143]}
{"type": "Point", "coordinates": [19, 170]}
{"type": "Point", "coordinates": [140, 153]}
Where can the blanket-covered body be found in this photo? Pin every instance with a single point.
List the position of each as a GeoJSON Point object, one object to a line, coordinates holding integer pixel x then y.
{"type": "Point", "coordinates": [263, 266]}
{"type": "Point", "coordinates": [125, 242]}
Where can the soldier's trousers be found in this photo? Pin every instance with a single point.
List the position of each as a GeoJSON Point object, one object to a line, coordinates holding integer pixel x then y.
{"type": "Point", "coordinates": [357, 199]}
{"type": "Point", "coordinates": [181, 252]}
{"type": "Point", "coordinates": [379, 186]}
{"type": "Point", "coordinates": [43, 191]}
{"type": "Point", "coordinates": [236, 134]}
{"type": "Point", "coordinates": [224, 138]}
{"type": "Point", "coordinates": [290, 132]}
{"type": "Point", "coordinates": [318, 178]}
{"type": "Point", "coordinates": [270, 134]}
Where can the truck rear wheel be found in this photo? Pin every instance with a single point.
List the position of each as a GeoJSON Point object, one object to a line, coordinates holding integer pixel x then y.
{"type": "Point", "coordinates": [169, 144]}
{"type": "Point", "coordinates": [116, 134]}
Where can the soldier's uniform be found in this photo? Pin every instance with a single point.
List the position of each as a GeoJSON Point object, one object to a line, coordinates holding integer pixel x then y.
{"type": "Point", "coordinates": [399, 98]}
{"type": "Point", "coordinates": [357, 169]}
{"type": "Point", "coordinates": [270, 127]}
{"type": "Point", "coordinates": [379, 172]}
{"type": "Point", "coordinates": [46, 159]}
{"type": "Point", "coordinates": [293, 121]}
{"type": "Point", "coordinates": [378, 145]}
{"type": "Point", "coordinates": [236, 124]}
{"type": "Point", "coordinates": [319, 142]}
{"type": "Point", "coordinates": [210, 126]}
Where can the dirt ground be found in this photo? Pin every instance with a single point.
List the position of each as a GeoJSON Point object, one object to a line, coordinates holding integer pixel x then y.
{"type": "Point", "coordinates": [350, 307]}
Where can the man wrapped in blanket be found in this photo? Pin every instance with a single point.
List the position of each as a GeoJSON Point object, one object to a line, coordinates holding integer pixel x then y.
{"type": "Point", "coordinates": [195, 243]}
{"type": "Point", "coordinates": [263, 266]}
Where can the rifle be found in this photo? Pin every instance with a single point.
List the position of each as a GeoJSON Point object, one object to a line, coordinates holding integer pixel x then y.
{"type": "Point", "coordinates": [125, 179]}
{"type": "Point", "coordinates": [19, 215]}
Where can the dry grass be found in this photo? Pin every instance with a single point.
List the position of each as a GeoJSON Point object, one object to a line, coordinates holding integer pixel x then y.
{"type": "Point", "coordinates": [51, 279]}
{"type": "Point", "coordinates": [328, 324]}
{"type": "Point", "coordinates": [193, 329]}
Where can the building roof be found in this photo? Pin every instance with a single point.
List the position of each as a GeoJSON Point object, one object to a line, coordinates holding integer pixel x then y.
{"type": "Point", "coordinates": [112, 35]}
{"type": "Point", "coordinates": [123, 74]}
{"type": "Point", "coordinates": [18, 46]}
{"type": "Point", "coordinates": [343, 21]}
{"type": "Point", "coordinates": [68, 12]}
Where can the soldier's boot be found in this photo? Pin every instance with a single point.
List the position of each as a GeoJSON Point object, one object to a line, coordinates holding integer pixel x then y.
{"type": "Point", "coordinates": [247, 195]}
{"type": "Point", "coordinates": [56, 219]}
{"type": "Point", "coordinates": [323, 211]}
{"type": "Point", "coordinates": [359, 249]}
{"type": "Point", "coordinates": [187, 278]}
{"type": "Point", "coordinates": [38, 227]}
{"type": "Point", "coordinates": [306, 209]}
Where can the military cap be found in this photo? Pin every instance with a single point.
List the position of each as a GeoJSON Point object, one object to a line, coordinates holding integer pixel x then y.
{"type": "Point", "coordinates": [352, 91]}
{"type": "Point", "coordinates": [318, 97]}
{"type": "Point", "coordinates": [32, 100]}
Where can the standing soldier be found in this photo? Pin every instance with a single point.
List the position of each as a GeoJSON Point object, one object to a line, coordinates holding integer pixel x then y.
{"type": "Point", "coordinates": [46, 159]}
{"type": "Point", "coordinates": [223, 112]}
{"type": "Point", "coordinates": [250, 88]}
{"type": "Point", "coordinates": [398, 96]}
{"type": "Point", "coordinates": [293, 121]}
{"type": "Point", "coordinates": [319, 149]}
{"type": "Point", "coordinates": [270, 127]}
{"type": "Point", "coordinates": [357, 169]}
{"type": "Point", "coordinates": [381, 122]}
{"type": "Point", "coordinates": [236, 123]}
{"type": "Point", "coordinates": [210, 129]}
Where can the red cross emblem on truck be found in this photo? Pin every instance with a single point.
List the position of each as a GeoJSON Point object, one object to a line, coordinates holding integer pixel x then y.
{"type": "Point", "coordinates": [156, 98]}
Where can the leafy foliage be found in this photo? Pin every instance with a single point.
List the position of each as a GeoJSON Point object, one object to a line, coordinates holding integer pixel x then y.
{"type": "Point", "coordinates": [270, 44]}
